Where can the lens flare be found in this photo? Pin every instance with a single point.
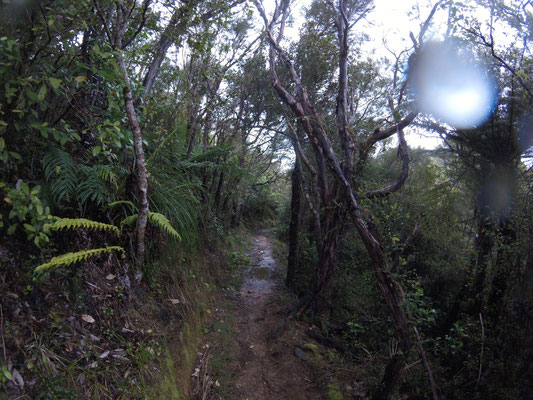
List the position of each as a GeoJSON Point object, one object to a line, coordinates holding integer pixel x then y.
{"type": "Point", "coordinates": [450, 85]}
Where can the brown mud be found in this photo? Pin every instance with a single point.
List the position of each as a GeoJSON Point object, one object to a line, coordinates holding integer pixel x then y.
{"type": "Point", "coordinates": [270, 367]}
{"type": "Point", "coordinates": [267, 363]}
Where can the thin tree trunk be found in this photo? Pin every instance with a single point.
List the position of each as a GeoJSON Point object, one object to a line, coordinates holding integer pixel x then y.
{"type": "Point", "coordinates": [142, 176]}
{"type": "Point", "coordinates": [294, 224]}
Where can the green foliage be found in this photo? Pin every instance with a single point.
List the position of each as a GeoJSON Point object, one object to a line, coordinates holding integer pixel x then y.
{"type": "Point", "coordinates": [163, 223]}
{"type": "Point", "coordinates": [76, 223]}
{"type": "Point", "coordinates": [123, 202]}
{"type": "Point", "coordinates": [72, 258]}
{"type": "Point", "coordinates": [27, 208]}
{"type": "Point", "coordinates": [5, 375]}
{"type": "Point", "coordinates": [177, 201]}
{"type": "Point", "coordinates": [333, 392]}
{"type": "Point", "coordinates": [84, 183]}
{"type": "Point", "coordinates": [157, 219]}
{"type": "Point", "coordinates": [62, 174]}
{"type": "Point", "coordinates": [130, 220]}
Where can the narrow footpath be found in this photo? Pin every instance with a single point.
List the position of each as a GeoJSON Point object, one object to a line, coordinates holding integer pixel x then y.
{"type": "Point", "coordinates": [270, 367]}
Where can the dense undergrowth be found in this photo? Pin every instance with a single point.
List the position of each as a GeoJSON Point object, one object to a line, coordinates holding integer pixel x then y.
{"type": "Point", "coordinates": [474, 351]}
{"type": "Point", "coordinates": [88, 332]}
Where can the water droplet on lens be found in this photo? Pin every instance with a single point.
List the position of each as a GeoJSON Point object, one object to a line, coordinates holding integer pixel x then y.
{"type": "Point", "coordinates": [451, 85]}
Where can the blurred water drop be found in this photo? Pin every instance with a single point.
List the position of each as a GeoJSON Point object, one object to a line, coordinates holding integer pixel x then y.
{"type": "Point", "coordinates": [450, 85]}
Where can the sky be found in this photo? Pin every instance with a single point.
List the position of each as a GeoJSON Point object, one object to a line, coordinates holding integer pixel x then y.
{"type": "Point", "coordinates": [387, 25]}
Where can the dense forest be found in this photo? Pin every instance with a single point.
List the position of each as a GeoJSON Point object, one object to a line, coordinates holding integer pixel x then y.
{"type": "Point", "coordinates": [143, 144]}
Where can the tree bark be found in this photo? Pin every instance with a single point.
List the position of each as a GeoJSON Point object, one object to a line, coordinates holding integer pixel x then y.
{"type": "Point", "coordinates": [142, 175]}
{"type": "Point", "coordinates": [294, 224]}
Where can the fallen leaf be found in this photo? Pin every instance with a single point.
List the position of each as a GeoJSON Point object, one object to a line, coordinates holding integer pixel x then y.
{"type": "Point", "coordinates": [87, 318]}
{"type": "Point", "coordinates": [18, 378]}
{"type": "Point", "coordinates": [94, 338]}
{"type": "Point", "coordinates": [110, 277]}
{"type": "Point", "coordinates": [104, 354]}
{"type": "Point", "coordinates": [174, 301]}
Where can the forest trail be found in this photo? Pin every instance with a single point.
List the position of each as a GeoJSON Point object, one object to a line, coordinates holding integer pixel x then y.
{"type": "Point", "coordinates": [269, 368]}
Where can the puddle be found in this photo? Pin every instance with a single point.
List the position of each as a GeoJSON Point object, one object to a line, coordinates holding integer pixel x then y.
{"type": "Point", "coordinates": [260, 273]}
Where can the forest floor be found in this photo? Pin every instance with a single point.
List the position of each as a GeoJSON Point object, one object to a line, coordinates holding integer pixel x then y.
{"type": "Point", "coordinates": [252, 353]}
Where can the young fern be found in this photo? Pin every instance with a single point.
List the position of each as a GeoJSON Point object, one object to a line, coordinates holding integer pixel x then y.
{"type": "Point", "coordinates": [82, 255]}
{"type": "Point", "coordinates": [128, 221]}
{"type": "Point", "coordinates": [75, 223]}
{"type": "Point", "coordinates": [71, 258]}
{"type": "Point", "coordinates": [123, 202]}
{"type": "Point", "coordinates": [163, 223]}
{"type": "Point", "coordinates": [157, 219]}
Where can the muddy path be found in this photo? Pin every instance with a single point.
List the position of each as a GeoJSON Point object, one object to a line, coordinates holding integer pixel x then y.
{"type": "Point", "coordinates": [269, 367]}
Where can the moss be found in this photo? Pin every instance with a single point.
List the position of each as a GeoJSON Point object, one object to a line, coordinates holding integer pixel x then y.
{"type": "Point", "coordinates": [334, 392]}
{"type": "Point", "coordinates": [167, 384]}
{"type": "Point", "coordinates": [311, 347]}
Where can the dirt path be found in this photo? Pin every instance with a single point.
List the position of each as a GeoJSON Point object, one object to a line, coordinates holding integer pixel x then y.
{"type": "Point", "coordinates": [268, 368]}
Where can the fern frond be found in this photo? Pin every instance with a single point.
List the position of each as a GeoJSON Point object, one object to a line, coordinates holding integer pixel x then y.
{"type": "Point", "coordinates": [92, 187]}
{"type": "Point", "coordinates": [125, 202]}
{"type": "Point", "coordinates": [75, 223]}
{"type": "Point", "coordinates": [106, 173]}
{"type": "Point", "coordinates": [71, 258]}
{"type": "Point", "coordinates": [129, 220]}
{"type": "Point", "coordinates": [62, 173]}
{"type": "Point", "coordinates": [163, 223]}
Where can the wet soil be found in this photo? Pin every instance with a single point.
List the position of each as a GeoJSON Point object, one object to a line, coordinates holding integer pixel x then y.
{"type": "Point", "coordinates": [270, 367]}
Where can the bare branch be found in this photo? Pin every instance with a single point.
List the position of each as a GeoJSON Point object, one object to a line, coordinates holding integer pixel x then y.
{"type": "Point", "coordinates": [393, 187]}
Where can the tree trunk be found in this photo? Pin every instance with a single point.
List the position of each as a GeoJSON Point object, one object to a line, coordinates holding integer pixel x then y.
{"type": "Point", "coordinates": [327, 261]}
{"type": "Point", "coordinates": [294, 224]}
{"type": "Point", "coordinates": [142, 176]}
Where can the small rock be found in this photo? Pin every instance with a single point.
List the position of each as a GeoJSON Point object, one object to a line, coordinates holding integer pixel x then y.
{"type": "Point", "coordinates": [298, 352]}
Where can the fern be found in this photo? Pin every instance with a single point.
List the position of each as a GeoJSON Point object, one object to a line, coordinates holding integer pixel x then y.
{"type": "Point", "coordinates": [157, 219]}
{"type": "Point", "coordinates": [71, 258]}
{"type": "Point", "coordinates": [69, 181]}
{"type": "Point", "coordinates": [106, 173]}
{"type": "Point", "coordinates": [129, 220]}
{"type": "Point", "coordinates": [163, 223]}
{"type": "Point", "coordinates": [177, 201]}
{"type": "Point", "coordinates": [70, 223]}
{"type": "Point", "coordinates": [123, 202]}
{"type": "Point", "coordinates": [92, 187]}
{"type": "Point", "coordinates": [61, 171]}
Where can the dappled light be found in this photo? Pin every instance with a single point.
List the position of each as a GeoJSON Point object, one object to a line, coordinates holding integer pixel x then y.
{"type": "Point", "coordinates": [451, 85]}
